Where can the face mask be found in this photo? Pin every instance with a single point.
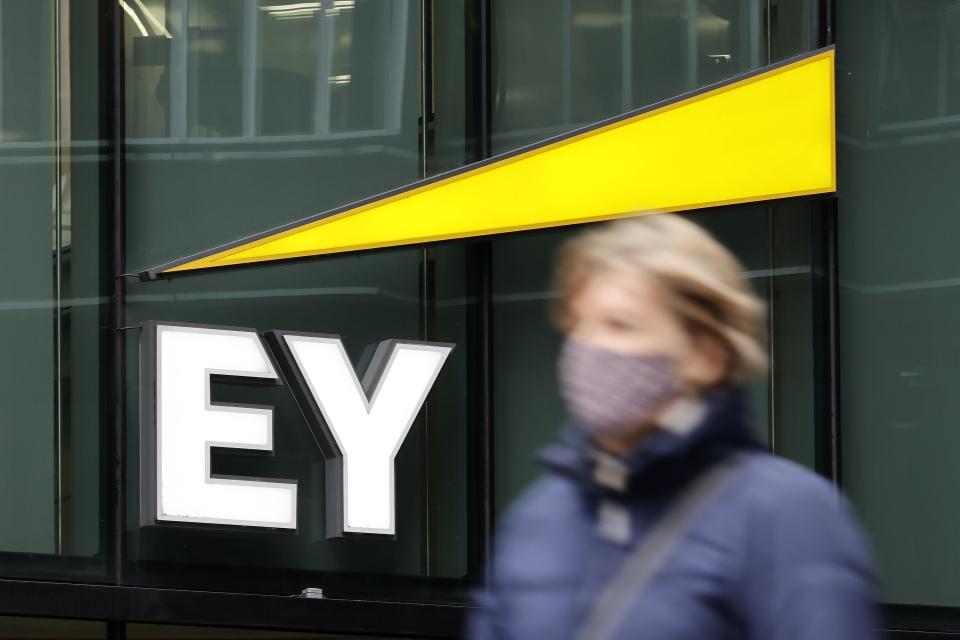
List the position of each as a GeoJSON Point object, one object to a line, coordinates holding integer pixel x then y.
{"type": "Point", "coordinates": [611, 393]}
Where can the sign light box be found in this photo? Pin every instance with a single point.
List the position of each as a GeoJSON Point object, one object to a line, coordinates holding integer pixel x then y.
{"type": "Point", "coordinates": [359, 426]}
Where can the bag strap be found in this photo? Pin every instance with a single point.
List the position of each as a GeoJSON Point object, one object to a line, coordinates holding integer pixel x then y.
{"type": "Point", "coordinates": [613, 603]}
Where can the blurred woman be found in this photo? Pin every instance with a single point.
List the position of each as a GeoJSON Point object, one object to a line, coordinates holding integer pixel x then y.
{"type": "Point", "coordinates": [659, 516]}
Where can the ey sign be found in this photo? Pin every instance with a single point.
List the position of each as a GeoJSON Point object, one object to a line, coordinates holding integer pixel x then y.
{"type": "Point", "coordinates": [358, 425]}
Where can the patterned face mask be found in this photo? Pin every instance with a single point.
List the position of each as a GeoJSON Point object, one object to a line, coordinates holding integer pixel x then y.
{"type": "Point", "coordinates": [610, 392]}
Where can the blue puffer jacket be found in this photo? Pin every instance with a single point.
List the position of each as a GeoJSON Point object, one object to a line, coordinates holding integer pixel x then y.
{"type": "Point", "coordinates": [775, 555]}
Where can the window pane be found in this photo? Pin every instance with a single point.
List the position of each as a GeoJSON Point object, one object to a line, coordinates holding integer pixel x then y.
{"type": "Point", "coordinates": [899, 149]}
{"type": "Point", "coordinates": [50, 298]}
{"type": "Point", "coordinates": [595, 59]}
{"type": "Point", "coordinates": [291, 42]}
{"type": "Point", "coordinates": [794, 27]}
{"type": "Point", "coordinates": [559, 64]}
{"type": "Point", "coordinates": [27, 389]}
{"type": "Point", "coordinates": [243, 185]}
{"type": "Point", "coordinates": [776, 246]}
{"type": "Point", "coordinates": [324, 138]}
{"type": "Point", "coordinates": [214, 30]}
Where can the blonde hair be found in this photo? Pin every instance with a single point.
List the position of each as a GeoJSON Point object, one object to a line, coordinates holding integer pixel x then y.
{"type": "Point", "coordinates": [703, 281]}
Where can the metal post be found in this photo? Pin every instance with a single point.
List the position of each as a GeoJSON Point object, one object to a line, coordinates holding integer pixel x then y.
{"type": "Point", "coordinates": [479, 277]}
{"type": "Point", "coordinates": [113, 194]}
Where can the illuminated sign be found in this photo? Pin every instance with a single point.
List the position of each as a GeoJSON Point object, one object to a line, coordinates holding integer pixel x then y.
{"type": "Point", "coordinates": [762, 135]}
{"type": "Point", "coordinates": [359, 426]}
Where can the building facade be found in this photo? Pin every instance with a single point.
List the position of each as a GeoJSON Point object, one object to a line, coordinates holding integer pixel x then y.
{"type": "Point", "coordinates": [135, 132]}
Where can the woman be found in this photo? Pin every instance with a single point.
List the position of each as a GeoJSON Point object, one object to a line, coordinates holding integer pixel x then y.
{"type": "Point", "coordinates": [659, 516]}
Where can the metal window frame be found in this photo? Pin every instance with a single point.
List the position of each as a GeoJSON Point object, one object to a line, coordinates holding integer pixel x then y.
{"type": "Point", "coordinates": [121, 604]}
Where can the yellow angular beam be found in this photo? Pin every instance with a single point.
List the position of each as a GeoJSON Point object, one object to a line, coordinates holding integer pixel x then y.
{"type": "Point", "coordinates": [763, 135]}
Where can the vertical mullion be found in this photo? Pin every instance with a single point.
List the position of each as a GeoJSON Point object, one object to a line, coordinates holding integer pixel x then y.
{"type": "Point", "coordinates": [1, 67]}
{"type": "Point", "coordinates": [566, 58]}
{"type": "Point", "coordinates": [692, 44]}
{"type": "Point", "coordinates": [478, 100]}
{"type": "Point", "coordinates": [831, 316]}
{"type": "Point", "coordinates": [427, 280]}
{"type": "Point", "coordinates": [826, 21]}
{"type": "Point", "coordinates": [753, 19]}
{"type": "Point", "coordinates": [626, 55]}
{"type": "Point", "coordinates": [768, 26]}
{"type": "Point", "coordinates": [251, 49]}
{"type": "Point", "coordinates": [832, 328]}
{"type": "Point", "coordinates": [58, 275]}
{"type": "Point", "coordinates": [943, 62]}
{"type": "Point", "coordinates": [393, 85]}
{"type": "Point", "coordinates": [178, 70]}
{"type": "Point", "coordinates": [63, 173]}
{"type": "Point", "coordinates": [113, 192]}
{"type": "Point", "coordinates": [321, 88]}
{"type": "Point", "coordinates": [426, 88]}
{"type": "Point", "coordinates": [772, 425]}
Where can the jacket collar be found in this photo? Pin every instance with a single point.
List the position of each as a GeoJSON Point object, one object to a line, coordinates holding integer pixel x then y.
{"type": "Point", "coordinates": [721, 428]}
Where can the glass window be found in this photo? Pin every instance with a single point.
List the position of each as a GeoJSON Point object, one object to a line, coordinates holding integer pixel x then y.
{"type": "Point", "coordinates": [200, 69]}
{"type": "Point", "coordinates": [594, 59]}
{"type": "Point", "coordinates": [214, 40]}
{"type": "Point", "coordinates": [558, 64]}
{"type": "Point", "coordinates": [51, 302]}
{"type": "Point", "coordinates": [794, 27]}
{"type": "Point", "coordinates": [778, 247]}
{"type": "Point", "coordinates": [289, 82]}
{"type": "Point", "coordinates": [899, 146]}
{"type": "Point", "coordinates": [27, 391]}
{"type": "Point", "coordinates": [333, 128]}
{"type": "Point", "coordinates": [244, 184]}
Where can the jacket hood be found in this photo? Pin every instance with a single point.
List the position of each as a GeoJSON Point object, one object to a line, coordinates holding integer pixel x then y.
{"type": "Point", "coordinates": [665, 455]}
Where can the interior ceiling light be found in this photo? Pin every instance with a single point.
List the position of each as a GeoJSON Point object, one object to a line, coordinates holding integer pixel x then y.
{"type": "Point", "coordinates": [292, 10]}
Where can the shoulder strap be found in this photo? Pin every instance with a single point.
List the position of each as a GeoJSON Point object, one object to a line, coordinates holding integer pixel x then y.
{"type": "Point", "coordinates": [613, 603]}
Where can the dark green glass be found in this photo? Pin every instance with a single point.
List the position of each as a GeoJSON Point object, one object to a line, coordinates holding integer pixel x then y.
{"type": "Point", "coordinates": [898, 139]}
{"type": "Point", "coordinates": [562, 65]}
{"type": "Point", "coordinates": [51, 302]}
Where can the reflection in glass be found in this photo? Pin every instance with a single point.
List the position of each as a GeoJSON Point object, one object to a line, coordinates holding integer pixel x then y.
{"type": "Point", "coordinates": [50, 299]}
{"type": "Point", "coordinates": [252, 69]}
{"type": "Point", "coordinates": [564, 63]}
{"type": "Point", "coordinates": [28, 474]}
{"type": "Point", "coordinates": [898, 147]}
{"type": "Point", "coordinates": [594, 59]}
{"type": "Point", "coordinates": [266, 113]}
{"type": "Point", "coordinates": [293, 54]}
{"type": "Point", "coordinates": [321, 108]}
{"type": "Point", "coordinates": [775, 245]}
{"type": "Point", "coordinates": [215, 42]}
